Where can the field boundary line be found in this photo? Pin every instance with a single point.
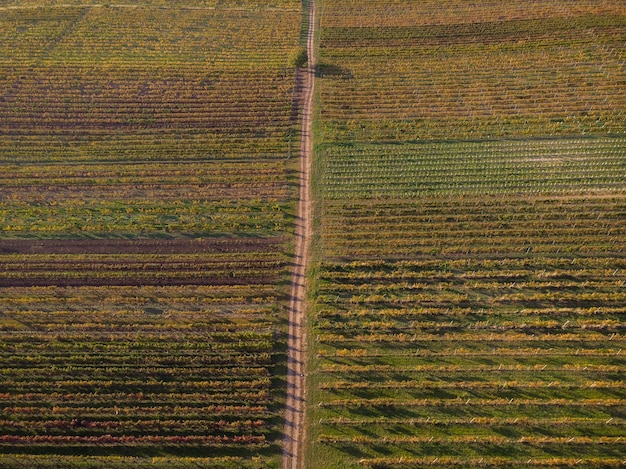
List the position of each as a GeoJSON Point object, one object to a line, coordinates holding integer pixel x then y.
{"type": "Point", "coordinates": [294, 434]}
{"type": "Point", "coordinates": [135, 5]}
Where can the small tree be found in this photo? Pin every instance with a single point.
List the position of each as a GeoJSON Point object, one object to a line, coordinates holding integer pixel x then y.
{"type": "Point", "coordinates": [298, 57]}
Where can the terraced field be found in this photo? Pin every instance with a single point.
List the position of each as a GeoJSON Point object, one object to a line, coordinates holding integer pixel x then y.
{"type": "Point", "coordinates": [471, 281]}
{"type": "Point", "coordinates": [148, 178]}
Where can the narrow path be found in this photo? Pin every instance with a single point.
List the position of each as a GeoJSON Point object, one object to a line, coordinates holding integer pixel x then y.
{"type": "Point", "coordinates": [295, 406]}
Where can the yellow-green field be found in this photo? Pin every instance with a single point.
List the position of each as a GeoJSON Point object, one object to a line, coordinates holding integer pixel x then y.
{"type": "Point", "coordinates": [470, 293]}
{"type": "Point", "coordinates": [468, 289]}
{"type": "Point", "coordinates": [147, 186]}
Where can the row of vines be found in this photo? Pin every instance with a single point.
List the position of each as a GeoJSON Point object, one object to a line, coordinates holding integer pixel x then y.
{"type": "Point", "coordinates": [476, 78]}
{"type": "Point", "coordinates": [147, 179]}
{"type": "Point", "coordinates": [470, 291]}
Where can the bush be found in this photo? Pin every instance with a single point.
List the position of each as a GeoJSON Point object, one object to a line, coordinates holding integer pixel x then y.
{"type": "Point", "coordinates": [298, 57]}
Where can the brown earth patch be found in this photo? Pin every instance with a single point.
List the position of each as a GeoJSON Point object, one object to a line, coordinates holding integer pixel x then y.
{"type": "Point", "coordinates": [140, 246]}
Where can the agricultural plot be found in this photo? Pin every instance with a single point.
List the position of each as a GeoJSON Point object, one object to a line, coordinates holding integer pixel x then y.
{"type": "Point", "coordinates": [470, 292]}
{"type": "Point", "coordinates": [500, 71]}
{"type": "Point", "coordinates": [148, 157]}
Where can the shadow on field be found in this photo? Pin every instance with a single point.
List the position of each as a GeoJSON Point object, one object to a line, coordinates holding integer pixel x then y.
{"type": "Point", "coordinates": [325, 70]}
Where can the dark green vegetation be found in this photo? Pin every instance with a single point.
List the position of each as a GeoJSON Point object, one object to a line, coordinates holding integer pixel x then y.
{"type": "Point", "coordinates": [471, 283]}
{"type": "Point", "coordinates": [147, 190]}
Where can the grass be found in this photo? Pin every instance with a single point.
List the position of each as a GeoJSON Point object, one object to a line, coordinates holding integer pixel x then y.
{"type": "Point", "coordinates": [146, 217]}
{"type": "Point", "coordinates": [469, 288]}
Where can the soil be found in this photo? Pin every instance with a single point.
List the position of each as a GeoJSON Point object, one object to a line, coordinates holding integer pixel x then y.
{"type": "Point", "coordinates": [296, 394]}
{"type": "Point", "coordinates": [139, 246]}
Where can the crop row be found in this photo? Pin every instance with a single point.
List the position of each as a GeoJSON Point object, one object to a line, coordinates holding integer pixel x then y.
{"type": "Point", "coordinates": [28, 145]}
{"type": "Point", "coordinates": [113, 427]}
{"type": "Point", "coordinates": [470, 296]}
{"type": "Point", "coordinates": [154, 442]}
{"type": "Point", "coordinates": [159, 369]}
{"type": "Point", "coordinates": [518, 227]}
{"type": "Point", "coordinates": [162, 4]}
{"type": "Point", "coordinates": [528, 30]}
{"type": "Point", "coordinates": [137, 370]}
{"type": "Point", "coordinates": [252, 181]}
{"type": "Point", "coordinates": [172, 85]}
{"type": "Point", "coordinates": [129, 298]}
{"type": "Point", "coordinates": [239, 38]}
{"type": "Point", "coordinates": [76, 100]}
{"type": "Point", "coordinates": [348, 13]}
{"type": "Point", "coordinates": [430, 355]}
{"type": "Point", "coordinates": [69, 95]}
{"type": "Point", "coordinates": [410, 170]}
{"type": "Point", "coordinates": [145, 212]}
{"type": "Point", "coordinates": [454, 356]}
{"type": "Point", "coordinates": [142, 173]}
{"type": "Point", "coordinates": [472, 80]}
{"type": "Point", "coordinates": [49, 461]}
{"type": "Point", "coordinates": [589, 453]}
{"type": "Point", "coordinates": [468, 128]}
{"type": "Point", "coordinates": [133, 270]}
{"type": "Point", "coordinates": [75, 218]}
{"type": "Point", "coordinates": [496, 462]}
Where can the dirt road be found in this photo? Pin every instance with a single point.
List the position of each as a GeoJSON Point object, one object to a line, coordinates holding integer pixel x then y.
{"type": "Point", "coordinates": [296, 396]}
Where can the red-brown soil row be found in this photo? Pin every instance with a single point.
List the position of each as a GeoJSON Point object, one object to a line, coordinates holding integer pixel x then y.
{"type": "Point", "coordinates": [135, 282]}
{"type": "Point", "coordinates": [140, 246]}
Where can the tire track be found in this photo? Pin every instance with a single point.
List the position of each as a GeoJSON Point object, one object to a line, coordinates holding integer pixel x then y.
{"type": "Point", "coordinates": [296, 366]}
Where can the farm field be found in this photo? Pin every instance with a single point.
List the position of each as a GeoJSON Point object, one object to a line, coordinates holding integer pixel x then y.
{"type": "Point", "coordinates": [469, 292]}
{"type": "Point", "coordinates": [148, 178]}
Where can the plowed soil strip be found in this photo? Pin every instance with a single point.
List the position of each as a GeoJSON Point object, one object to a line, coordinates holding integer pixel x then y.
{"type": "Point", "coordinates": [139, 246]}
